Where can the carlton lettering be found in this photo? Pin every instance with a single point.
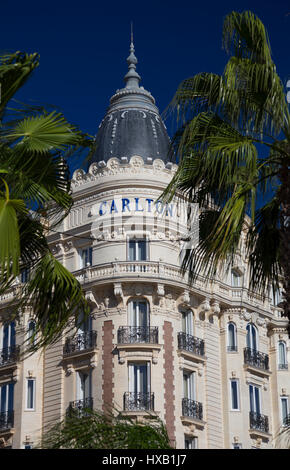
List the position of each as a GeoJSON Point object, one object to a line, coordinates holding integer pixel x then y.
{"type": "Point", "coordinates": [135, 205]}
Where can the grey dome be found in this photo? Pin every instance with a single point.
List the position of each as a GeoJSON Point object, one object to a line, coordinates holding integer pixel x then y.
{"type": "Point", "coordinates": [132, 124]}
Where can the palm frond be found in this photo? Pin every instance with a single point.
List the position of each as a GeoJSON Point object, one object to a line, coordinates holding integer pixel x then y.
{"type": "Point", "coordinates": [55, 296]}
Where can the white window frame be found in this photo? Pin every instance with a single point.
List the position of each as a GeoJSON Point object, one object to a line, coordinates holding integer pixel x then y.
{"type": "Point", "coordinates": [281, 408]}
{"type": "Point", "coordinates": [136, 238]}
{"type": "Point", "coordinates": [285, 353]}
{"type": "Point", "coordinates": [132, 321]}
{"type": "Point", "coordinates": [254, 395]}
{"type": "Point", "coordinates": [9, 334]}
{"type": "Point", "coordinates": [191, 384]}
{"type": "Point", "coordinates": [89, 250]}
{"type": "Point", "coordinates": [235, 336]}
{"type": "Point", "coordinates": [238, 395]}
{"type": "Point", "coordinates": [251, 337]}
{"type": "Point", "coordinates": [235, 274]}
{"type": "Point", "coordinates": [187, 322]}
{"type": "Point", "coordinates": [237, 446]}
{"type": "Point", "coordinates": [192, 440]}
{"type": "Point", "coordinates": [80, 394]}
{"type": "Point", "coordinates": [134, 371]}
{"type": "Point", "coordinates": [32, 379]}
{"type": "Point", "coordinates": [5, 409]}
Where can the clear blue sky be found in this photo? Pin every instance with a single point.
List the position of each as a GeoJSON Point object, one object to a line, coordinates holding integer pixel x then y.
{"type": "Point", "coordinates": [83, 47]}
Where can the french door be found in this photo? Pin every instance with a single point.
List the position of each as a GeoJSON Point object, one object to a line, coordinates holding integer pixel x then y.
{"type": "Point", "coordinates": [187, 322]}
{"type": "Point", "coordinates": [255, 399]}
{"type": "Point", "coordinates": [252, 339]}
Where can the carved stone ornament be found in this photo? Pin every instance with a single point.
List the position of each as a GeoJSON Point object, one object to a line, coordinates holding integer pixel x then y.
{"type": "Point", "coordinates": [160, 290]}
{"type": "Point", "coordinates": [118, 291]}
{"type": "Point", "coordinates": [216, 307]}
{"type": "Point", "coordinates": [186, 298]}
{"type": "Point", "coordinates": [90, 297]}
{"type": "Point", "coordinates": [205, 306]}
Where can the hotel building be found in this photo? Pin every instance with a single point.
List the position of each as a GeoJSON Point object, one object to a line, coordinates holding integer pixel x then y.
{"type": "Point", "coordinates": [208, 358]}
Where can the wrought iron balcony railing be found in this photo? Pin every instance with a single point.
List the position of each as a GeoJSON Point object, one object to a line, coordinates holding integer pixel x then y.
{"type": "Point", "coordinates": [80, 407]}
{"type": "Point", "coordinates": [6, 420]}
{"type": "Point", "coordinates": [191, 408]}
{"type": "Point", "coordinates": [286, 421]}
{"type": "Point", "coordinates": [80, 342]}
{"type": "Point", "coordinates": [283, 366]}
{"type": "Point", "coordinates": [190, 343]}
{"type": "Point", "coordinates": [138, 334]}
{"type": "Point", "coordinates": [9, 355]}
{"type": "Point", "coordinates": [256, 358]}
{"type": "Point", "coordinates": [259, 422]}
{"type": "Point", "coordinates": [232, 348]}
{"type": "Point", "coordinates": [137, 401]}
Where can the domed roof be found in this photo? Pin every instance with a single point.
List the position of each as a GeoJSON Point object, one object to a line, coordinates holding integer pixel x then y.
{"type": "Point", "coordinates": [132, 124]}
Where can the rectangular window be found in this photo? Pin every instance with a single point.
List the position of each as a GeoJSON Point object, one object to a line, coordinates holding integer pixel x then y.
{"type": "Point", "coordinates": [284, 410]}
{"type": "Point", "coordinates": [189, 385]}
{"type": "Point", "coordinates": [30, 394]}
{"type": "Point", "coordinates": [6, 397]}
{"type": "Point", "coordinates": [235, 394]}
{"type": "Point", "coordinates": [236, 279]}
{"type": "Point", "coordinates": [190, 442]}
{"type": "Point", "coordinates": [85, 257]}
{"type": "Point", "coordinates": [255, 406]}
{"type": "Point", "coordinates": [138, 250]}
{"type": "Point", "coordinates": [237, 446]}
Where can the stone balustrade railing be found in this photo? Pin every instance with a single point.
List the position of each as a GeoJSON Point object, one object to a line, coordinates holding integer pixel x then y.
{"type": "Point", "coordinates": [161, 271]}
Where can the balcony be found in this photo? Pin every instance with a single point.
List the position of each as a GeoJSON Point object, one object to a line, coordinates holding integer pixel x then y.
{"type": "Point", "coordinates": [9, 355]}
{"type": "Point", "coordinates": [137, 334]}
{"type": "Point", "coordinates": [192, 409]}
{"type": "Point", "coordinates": [138, 401]}
{"type": "Point", "coordinates": [283, 366]}
{"type": "Point", "coordinates": [6, 420]}
{"type": "Point", "coordinates": [259, 422]}
{"type": "Point", "coordinates": [190, 343]}
{"type": "Point", "coordinates": [232, 348]}
{"type": "Point", "coordinates": [80, 343]}
{"type": "Point", "coordinates": [80, 408]}
{"type": "Point", "coordinates": [257, 360]}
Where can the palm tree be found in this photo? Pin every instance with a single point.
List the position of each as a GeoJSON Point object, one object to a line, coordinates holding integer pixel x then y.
{"type": "Point", "coordinates": [96, 430]}
{"type": "Point", "coordinates": [34, 187]}
{"type": "Point", "coordinates": [233, 148]}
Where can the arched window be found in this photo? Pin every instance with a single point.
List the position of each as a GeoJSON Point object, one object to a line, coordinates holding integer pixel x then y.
{"type": "Point", "coordinates": [252, 337]}
{"type": "Point", "coordinates": [282, 355]}
{"type": "Point", "coordinates": [232, 337]}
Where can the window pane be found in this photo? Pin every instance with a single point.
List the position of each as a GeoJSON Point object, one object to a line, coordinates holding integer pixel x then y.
{"type": "Point", "coordinates": [282, 356]}
{"type": "Point", "coordinates": [284, 406]}
{"type": "Point", "coordinates": [30, 394]}
{"type": "Point", "coordinates": [231, 335]}
{"type": "Point", "coordinates": [257, 400]}
{"type": "Point", "coordinates": [234, 388]}
{"type": "Point", "coordinates": [132, 250]}
{"type": "Point", "coordinates": [3, 398]}
{"type": "Point", "coordinates": [141, 250]}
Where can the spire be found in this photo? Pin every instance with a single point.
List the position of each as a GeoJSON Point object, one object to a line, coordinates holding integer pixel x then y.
{"type": "Point", "coordinates": [132, 78]}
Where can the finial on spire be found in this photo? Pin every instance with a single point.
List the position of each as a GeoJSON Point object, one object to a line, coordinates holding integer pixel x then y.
{"type": "Point", "coordinates": [132, 78]}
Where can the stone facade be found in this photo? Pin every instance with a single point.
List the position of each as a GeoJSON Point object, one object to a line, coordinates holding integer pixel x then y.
{"type": "Point", "coordinates": [113, 282]}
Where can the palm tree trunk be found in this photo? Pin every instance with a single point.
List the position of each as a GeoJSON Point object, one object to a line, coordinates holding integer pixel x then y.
{"type": "Point", "coordinates": [284, 196]}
